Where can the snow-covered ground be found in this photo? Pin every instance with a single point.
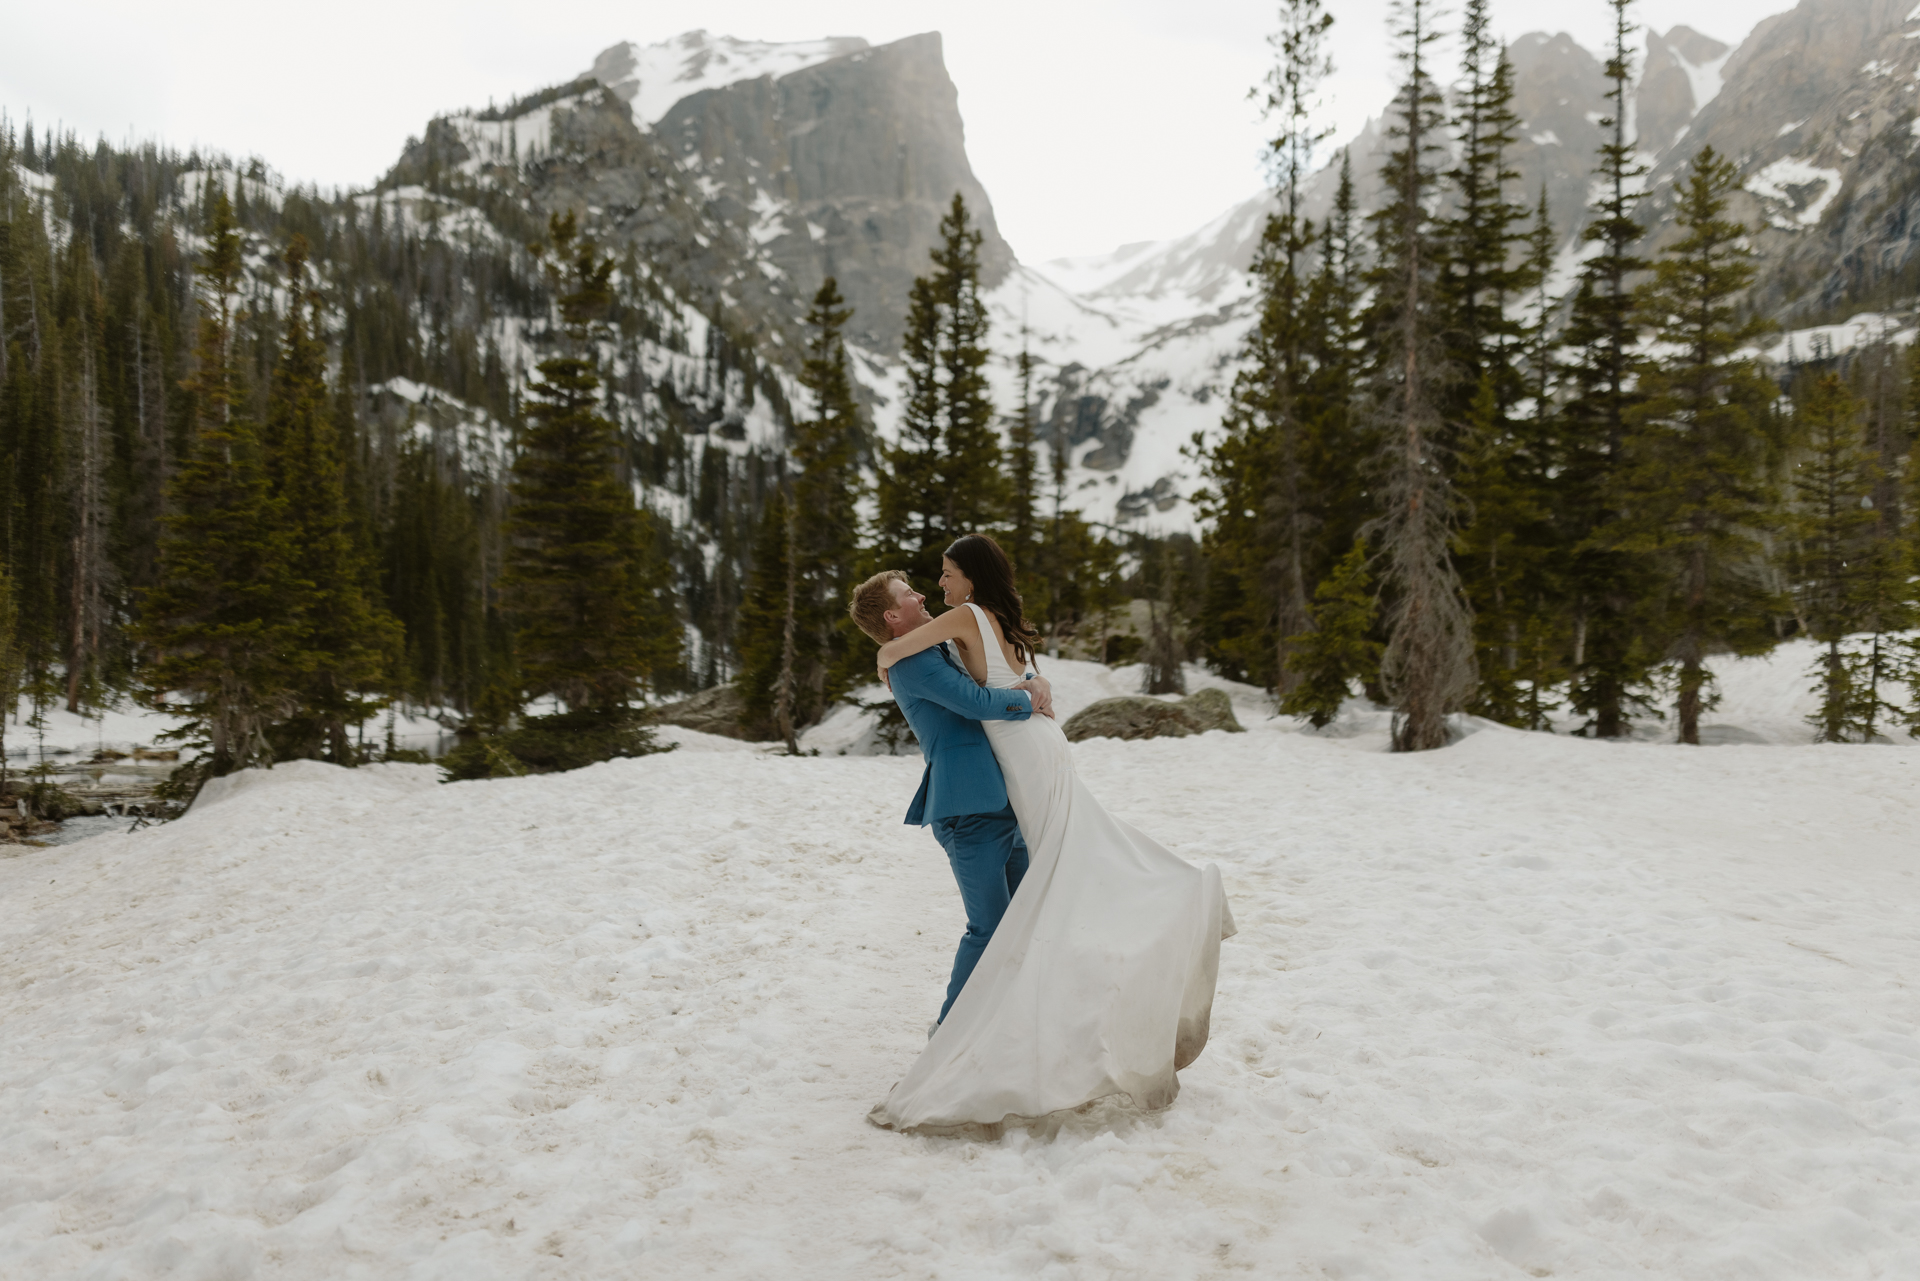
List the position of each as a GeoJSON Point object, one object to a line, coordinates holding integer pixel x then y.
{"type": "Point", "coordinates": [129, 725]}
{"type": "Point", "coordinates": [1531, 1005]}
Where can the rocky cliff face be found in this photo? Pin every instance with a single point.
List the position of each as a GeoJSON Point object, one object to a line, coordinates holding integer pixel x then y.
{"type": "Point", "coordinates": [1819, 111]}
{"type": "Point", "coordinates": [842, 168]}
{"type": "Point", "coordinates": [576, 148]}
{"type": "Point", "coordinates": [746, 172]}
{"type": "Point", "coordinates": [1680, 75]}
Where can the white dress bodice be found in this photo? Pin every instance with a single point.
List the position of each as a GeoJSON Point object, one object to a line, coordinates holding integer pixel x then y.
{"type": "Point", "coordinates": [999, 675]}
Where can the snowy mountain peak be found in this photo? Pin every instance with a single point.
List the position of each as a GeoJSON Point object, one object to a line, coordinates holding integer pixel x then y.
{"type": "Point", "coordinates": [651, 78]}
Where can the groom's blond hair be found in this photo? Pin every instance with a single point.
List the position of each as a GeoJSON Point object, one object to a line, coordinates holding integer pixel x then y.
{"type": "Point", "coordinates": [871, 601]}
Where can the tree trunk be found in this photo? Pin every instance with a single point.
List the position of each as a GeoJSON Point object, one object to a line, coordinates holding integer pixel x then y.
{"type": "Point", "coordinates": [783, 691]}
{"type": "Point", "coordinates": [1692, 681]}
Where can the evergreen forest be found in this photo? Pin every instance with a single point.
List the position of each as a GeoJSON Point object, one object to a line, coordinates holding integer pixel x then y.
{"type": "Point", "coordinates": [1462, 483]}
{"type": "Point", "coordinates": [278, 460]}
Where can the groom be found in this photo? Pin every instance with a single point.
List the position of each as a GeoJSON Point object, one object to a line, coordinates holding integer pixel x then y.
{"type": "Point", "coordinates": [962, 792]}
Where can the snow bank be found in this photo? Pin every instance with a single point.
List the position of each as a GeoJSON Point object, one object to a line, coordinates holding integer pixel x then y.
{"type": "Point", "coordinates": [1528, 1005]}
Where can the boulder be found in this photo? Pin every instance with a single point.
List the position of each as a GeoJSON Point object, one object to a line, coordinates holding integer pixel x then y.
{"type": "Point", "coordinates": [1141, 717]}
{"type": "Point", "coordinates": [720, 710]}
{"type": "Point", "coordinates": [1136, 717]}
{"type": "Point", "coordinates": [1211, 709]}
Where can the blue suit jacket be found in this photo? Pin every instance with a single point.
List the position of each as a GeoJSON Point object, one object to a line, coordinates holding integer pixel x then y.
{"type": "Point", "coordinates": [945, 709]}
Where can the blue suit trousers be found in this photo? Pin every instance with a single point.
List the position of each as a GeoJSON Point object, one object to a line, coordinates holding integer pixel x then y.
{"type": "Point", "coordinates": [988, 859]}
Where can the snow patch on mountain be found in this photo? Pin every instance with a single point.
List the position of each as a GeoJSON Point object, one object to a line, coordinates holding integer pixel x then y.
{"type": "Point", "coordinates": [433, 215]}
{"type": "Point", "coordinates": [1705, 77]}
{"type": "Point", "coordinates": [1824, 342]}
{"type": "Point", "coordinates": [651, 78]}
{"type": "Point", "coordinates": [1793, 183]}
{"type": "Point", "coordinates": [1202, 267]}
{"type": "Point", "coordinates": [514, 139]}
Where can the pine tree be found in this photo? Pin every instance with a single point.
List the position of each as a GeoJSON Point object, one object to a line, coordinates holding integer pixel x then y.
{"type": "Point", "coordinates": [1481, 275]}
{"type": "Point", "coordinates": [1833, 485]}
{"type": "Point", "coordinates": [943, 477]}
{"type": "Point", "coordinates": [1540, 650]}
{"type": "Point", "coordinates": [1501, 477]}
{"type": "Point", "coordinates": [766, 631]}
{"type": "Point", "coordinates": [1271, 395]}
{"type": "Point", "coordinates": [1340, 436]}
{"type": "Point", "coordinates": [11, 666]}
{"type": "Point", "coordinates": [1023, 490]}
{"type": "Point", "coordinates": [1262, 499]}
{"type": "Point", "coordinates": [1164, 655]}
{"type": "Point", "coordinates": [89, 573]}
{"type": "Point", "coordinates": [582, 574]}
{"type": "Point", "coordinates": [1612, 659]}
{"type": "Point", "coordinates": [346, 642]}
{"type": "Point", "coordinates": [1341, 648]}
{"type": "Point", "coordinates": [1696, 490]}
{"type": "Point", "coordinates": [973, 479]}
{"type": "Point", "coordinates": [827, 495]}
{"type": "Point", "coordinates": [217, 621]}
{"type": "Point", "coordinates": [908, 478]}
{"type": "Point", "coordinates": [1428, 666]}
{"type": "Point", "coordinates": [33, 457]}
{"type": "Point", "coordinates": [796, 649]}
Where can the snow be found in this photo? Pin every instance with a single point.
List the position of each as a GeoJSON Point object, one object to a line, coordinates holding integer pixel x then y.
{"type": "Point", "coordinates": [193, 187]}
{"type": "Point", "coordinates": [1157, 329]}
{"type": "Point", "coordinates": [1191, 270]}
{"type": "Point", "coordinates": [1822, 342]}
{"type": "Point", "coordinates": [770, 215]}
{"type": "Point", "coordinates": [651, 78]}
{"type": "Point", "coordinates": [518, 139]}
{"type": "Point", "coordinates": [1704, 78]}
{"type": "Point", "coordinates": [484, 444]}
{"type": "Point", "coordinates": [1547, 139]}
{"type": "Point", "coordinates": [1771, 183]}
{"type": "Point", "coordinates": [1789, 127]}
{"type": "Point", "coordinates": [127, 726]}
{"type": "Point", "coordinates": [65, 733]}
{"type": "Point", "coordinates": [434, 215]}
{"type": "Point", "coordinates": [1530, 1004]}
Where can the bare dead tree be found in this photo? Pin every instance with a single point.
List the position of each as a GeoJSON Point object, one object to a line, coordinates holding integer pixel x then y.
{"type": "Point", "coordinates": [1429, 667]}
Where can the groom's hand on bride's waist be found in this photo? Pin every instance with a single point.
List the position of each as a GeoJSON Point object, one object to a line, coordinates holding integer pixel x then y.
{"type": "Point", "coordinates": [1040, 692]}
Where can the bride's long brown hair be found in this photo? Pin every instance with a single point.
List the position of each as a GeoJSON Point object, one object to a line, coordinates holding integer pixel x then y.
{"type": "Point", "coordinates": [991, 573]}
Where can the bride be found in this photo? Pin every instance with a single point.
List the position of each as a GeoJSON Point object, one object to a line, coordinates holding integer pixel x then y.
{"type": "Point", "coordinates": [1099, 981]}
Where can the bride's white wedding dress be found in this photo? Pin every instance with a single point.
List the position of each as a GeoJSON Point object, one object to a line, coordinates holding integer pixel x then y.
{"type": "Point", "coordinates": [1099, 980]}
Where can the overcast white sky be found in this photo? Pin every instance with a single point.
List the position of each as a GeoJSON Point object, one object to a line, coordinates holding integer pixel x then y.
{"type": "Point", "coordinates": [1091, 124]}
